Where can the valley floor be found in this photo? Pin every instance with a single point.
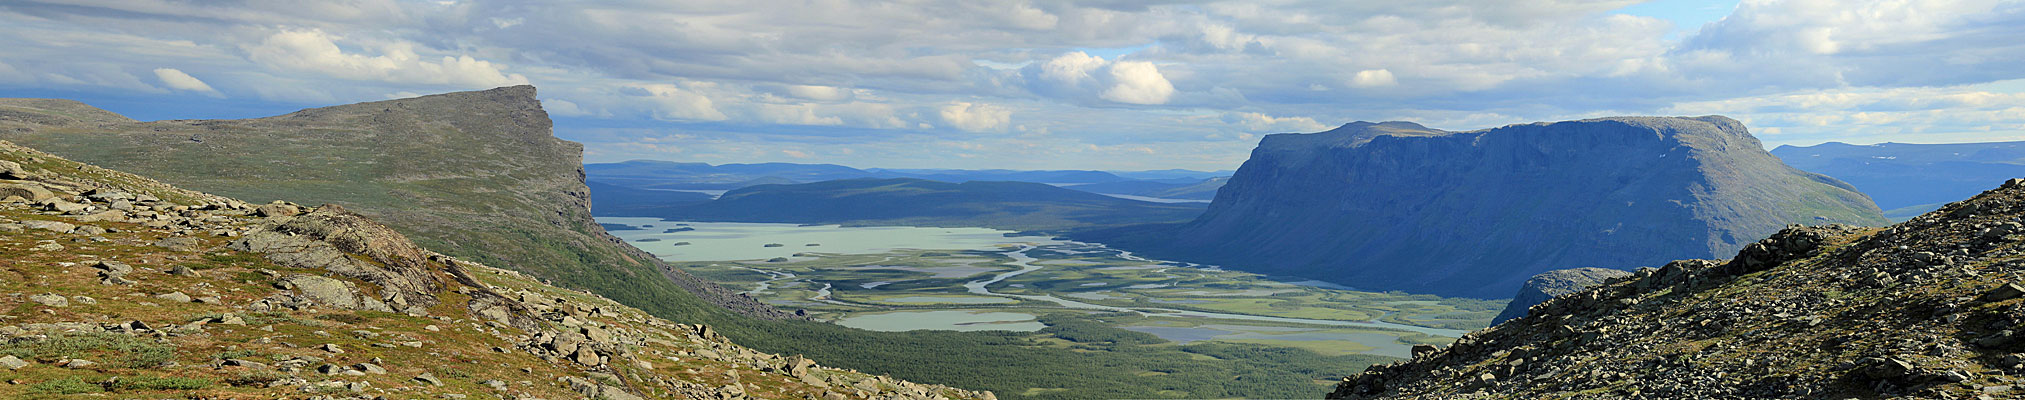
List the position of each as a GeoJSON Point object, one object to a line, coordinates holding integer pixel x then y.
{"type": "Point", "coordinates": [1034, 284]}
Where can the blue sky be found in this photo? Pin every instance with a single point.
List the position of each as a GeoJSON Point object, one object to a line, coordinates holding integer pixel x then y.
{"type": "Point", "coordinates": [1103, 84]}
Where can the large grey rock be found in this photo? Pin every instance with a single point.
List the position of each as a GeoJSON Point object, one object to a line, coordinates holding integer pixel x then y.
{"type": "Point", "coordinates": [31, 192]}
{"type": "Point", "coordinates": [326, 238]}
{"type": "Point", "coordinates": [49, 299]}
{"type": "Point", "coordinates": [1399, 206]}
{"type": "Point", "coordinates": [1549, 284]}
{"type": "Point", "coordinates": [331, 292]}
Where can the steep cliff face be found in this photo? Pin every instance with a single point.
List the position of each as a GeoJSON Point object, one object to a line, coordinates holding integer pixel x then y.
{"type": "Point", "coordinates": [476, 174]}
{"type": "Point", "coordinates": [1926, 309]}
{"type": "Point", "coordinates": [1549, 284]}
{"type": "Point", "coordinates": [1398, 206]}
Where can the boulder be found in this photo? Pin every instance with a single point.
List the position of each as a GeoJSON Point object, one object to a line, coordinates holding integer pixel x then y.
{"type": "Point", "coordinates": [11, 362]}
{"type": "Point", "coordinates": [27, 191]}
{"type": "Point", "coordinates": [326, 238]}
{"type": "Point", "coordinates": [181, 244]}
{"type": "Point", "coordinates": [50, 299]}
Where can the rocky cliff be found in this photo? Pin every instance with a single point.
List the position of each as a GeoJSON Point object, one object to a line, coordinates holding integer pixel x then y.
{"type": "Point", "coordinates": [1548, 284]}
{"type": "Point", "coordinates": [116, 285]}
{"type": "Point", "coordinates": [1924, 309]}
{"type": "Point", "coordinates": [1398, 206]}
{"type": "Point", "coordinates": [477, 175]}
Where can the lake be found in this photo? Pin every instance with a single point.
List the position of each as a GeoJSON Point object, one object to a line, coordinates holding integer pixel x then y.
{"type": "Point", "coordinates": [951, 320]}
{"type": "Point", "coordinates": [727, 241]}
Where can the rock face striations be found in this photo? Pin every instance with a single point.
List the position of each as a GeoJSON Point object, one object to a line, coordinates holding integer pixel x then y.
{"type": "Point", "coordinates": [477, 175]}
{"type": "Point", "coordinates": [1549, 284]}
{"type": "Point", "coordinates": [1927, 309]}
{"type": "Point", "coordinates": [1398, 206]}
{"type": "Point", "coordinates": [113, 284]}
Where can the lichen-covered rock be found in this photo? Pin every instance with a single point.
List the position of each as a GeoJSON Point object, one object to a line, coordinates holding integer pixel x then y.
{"type": "Point", "coordinates": [1558, 282]}
{"type": "Point", "coordinates": [325, 238]}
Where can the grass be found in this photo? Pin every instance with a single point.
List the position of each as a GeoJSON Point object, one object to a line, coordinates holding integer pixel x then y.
{"type": "Point", "coordinates": [116, 350]}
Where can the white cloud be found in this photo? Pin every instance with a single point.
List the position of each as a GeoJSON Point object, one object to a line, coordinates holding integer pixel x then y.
{"type": "Point", "coordinates": [975, 117]}
{"type": "Point", "coordinates": [1078, 75]}
{"type": "Point", "coordinates": [564, 108]}
{"type": "Point", "coordinates": [178, 80]}
{"type": "Point", "coordinates": [1260, 123]}
{"type": "Point", "coordinates": [1373, 78]}
{"type": "Point", "coordinates": [822, 93]}
{"type": "Point", "coordinates": [1138, 82]}
{"type": "Point", "coordinates": [671, 102]}
{"type": "Point", "coordinates": [318, 52]}
{"type": "Point", "coordinates": [1072, 68]}
{"type": "Point", "coordinates": [1107, 74]}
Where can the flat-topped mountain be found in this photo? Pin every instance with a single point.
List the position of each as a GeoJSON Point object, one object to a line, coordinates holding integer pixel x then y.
{"type": "Point", "coordinates": [918, 202]}
{"type": "Point", "coordinates": [1398, 206]}
{"type": "Point", "coordinates": [117, 285]}
{"type": "Point", "coordinates": [1910, 179]}
{"type": "Point", "coordinates": [477, 175]}
{"type": "Point", "coordinates": [1926, 309]}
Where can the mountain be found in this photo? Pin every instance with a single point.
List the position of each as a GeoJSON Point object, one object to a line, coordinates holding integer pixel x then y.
{"type": "Point", "coordinates": [444, 168]}
{"type": "Point", "coordinates": [969, 175]}
{"type": "Point", "coordinates": [1909, 179]}
{"type": "Point", "coordinates": [144, 290]}
{"type": "Point", "coordinates": [1924, 309]}
{"type": "Point", "coordinates": [649, 174]}
{"type": "Point", "coordinates": [1183, 175]}
{"type": "Point", "coordinates": [615, 200]}
{"type": "Point", "coordinates": [477, 175]}
{"type": "Point", "coordinates": [1549, 284]}
{"type": "Point", "coordinates": [1197, 190]}
{"type": "Point", "coordinates": [918, 202]}
{"type": "Point", "coordinates": [1399, 206]}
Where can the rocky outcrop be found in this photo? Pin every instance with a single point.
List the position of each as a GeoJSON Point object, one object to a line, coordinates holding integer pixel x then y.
{"type": "Point", "coordinates": [1558, 282]}
{"type": "Point", "coordinates": [1924, 309]}
{"type": "Point", "coordinates": [327, 238]}
{"type": "Point", "coordinates": [1398, 206]}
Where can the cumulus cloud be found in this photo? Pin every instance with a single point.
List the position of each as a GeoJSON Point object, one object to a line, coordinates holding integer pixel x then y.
{"type": "Point", "coordinates": [975, 117]}
{"type": "Point", "coordinates": [1105, 74]}
{"type": "Point", "coordinates": [1079, 75]}
{"type": "Point", "coordinates": [1373, 78]}
{"type": "Point", "coordinates": [1137, 82]}
{"type": "Point", "coordinates": [671, 102]}
{"type": "Point", "coordinates": [398, 62]}
{"type": "Point", "coordinates": [176, 79]}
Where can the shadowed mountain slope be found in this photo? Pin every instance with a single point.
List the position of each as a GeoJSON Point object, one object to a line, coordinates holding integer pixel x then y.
{"type": "Point", "coordinates": [1398, 206]}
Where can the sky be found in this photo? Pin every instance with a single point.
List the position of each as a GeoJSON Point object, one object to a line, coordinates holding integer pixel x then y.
{"type": "Point", "coordinates": [1045, 84]}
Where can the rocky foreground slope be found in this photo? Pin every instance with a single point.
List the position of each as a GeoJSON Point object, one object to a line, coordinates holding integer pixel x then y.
{"type": "Point", "coordinates": [1928, 309]}
{"type": "Point", "coordinates": [112, 283]}
{"type": "Point", "coordinates": [479, 175]}
{"type": "Point", "coordinates": [1399, 206]}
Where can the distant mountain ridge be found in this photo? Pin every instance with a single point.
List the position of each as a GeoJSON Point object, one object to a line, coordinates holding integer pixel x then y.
{"type": "Point", "coordinates": [920, 202]}
{"type": "Point", "coordinates": [653, 174]}
{"type": "Point", "coordinates": [1909, 179]}
{"type": "Point", "coordinates": [1399, 206]}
